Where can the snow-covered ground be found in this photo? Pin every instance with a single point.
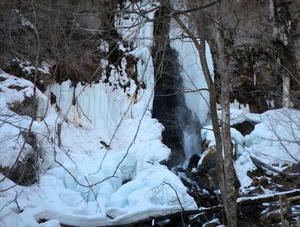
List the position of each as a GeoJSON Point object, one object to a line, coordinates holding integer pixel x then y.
{"type": "Point", "coordinates": [274, 141]}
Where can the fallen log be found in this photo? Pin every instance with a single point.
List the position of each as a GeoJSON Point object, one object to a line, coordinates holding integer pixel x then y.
{"type": "Point", "coordinates": [179, 214]}
{"type": "Point", "coordinates": [242, 201]}
{"type": "Point", "coordinates": [266, 198]}
{"type": "Point", "coordinates": [259, 164]}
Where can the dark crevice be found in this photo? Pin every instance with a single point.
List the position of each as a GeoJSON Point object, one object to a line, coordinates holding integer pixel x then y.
{"type": "Point", "coordinates": [169, 105]}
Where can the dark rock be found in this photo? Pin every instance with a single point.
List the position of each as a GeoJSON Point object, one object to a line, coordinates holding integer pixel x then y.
{"type": "Point", "coordinates": [206, 176]}
{"type": "Point", "coordinates": [69, 37]}
{"type": "Point", "coordinates": [52, 99]}
{"type": "Point", "coordinates": [245, 128]}
{"type": "Point", "coordinates": [16, 87]}
{"type": "Point", "coordinates": [26, 108]}
{"type": "Point", "coordinates": [193, 162]}
{"type": "Point", "coordinates": [169, 106]}
{"type": "Point", "coordinates": [2, 78]}
{"type": "Point", "coordinates": [25, 172]}
{"type": "Point", "coordinates": [165, 105]}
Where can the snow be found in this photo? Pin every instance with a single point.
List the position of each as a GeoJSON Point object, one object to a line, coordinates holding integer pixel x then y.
{"type": "Point", "coordinates": [241, 199]}
{"type": "Point", "coordinates": [11, 123]}
{"type": "Point", "coordinates": [104, 46]}
{"type": "Point", "coordinates": [212, 222]}
{"type": "Point", "coordinates": [57, 196]}
{"type": "Point", "coordinates": [135, 28]}
{"type": "Point", "coordinates": [82, 182]}
{"type": "Point", "coordinates": [208, 134]}
{"type": "Point", "coordinates": [274, 141]}
{"type": "Point", "coordinates": [239, 113]}
{"type": "Point", "coordinates": [25, 22]}
{"type": "Point", "coordinates": [242, 166]}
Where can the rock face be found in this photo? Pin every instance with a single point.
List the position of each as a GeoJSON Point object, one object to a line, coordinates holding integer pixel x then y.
{"type": "Point", "coordinates": [168, 84]}
{"type": "Point", "coordinates": [262, 40]}
{"type": "Point", "coordinates": [67, 33]}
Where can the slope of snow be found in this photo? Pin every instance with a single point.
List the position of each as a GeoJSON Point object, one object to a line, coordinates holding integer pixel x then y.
{"type": "Point", "coordinates": [129, 183]}
{"type": "Point", "coordinates": [276, 139]}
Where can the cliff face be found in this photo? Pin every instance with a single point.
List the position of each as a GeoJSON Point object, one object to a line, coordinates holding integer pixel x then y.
{"type": "Point", "coordinates": [262, 40]}
{"type": "Point", "coordinates": [67, 35]}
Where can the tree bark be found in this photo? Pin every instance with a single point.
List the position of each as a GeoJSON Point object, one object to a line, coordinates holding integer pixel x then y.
{"type": "Point", "coordinates": [229, 194]}
{"type": "Point", "coordinates": [286, 91]}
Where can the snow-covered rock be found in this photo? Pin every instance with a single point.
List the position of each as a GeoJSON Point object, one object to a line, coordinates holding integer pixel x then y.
{"type": "Point", "coordinates": [274, 141]}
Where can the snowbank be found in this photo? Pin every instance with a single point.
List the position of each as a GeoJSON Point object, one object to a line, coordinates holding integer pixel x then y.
{"type": "Point", "coordinates": [274, 141]}
{"type": "Point", "coordinates": [128, 182]}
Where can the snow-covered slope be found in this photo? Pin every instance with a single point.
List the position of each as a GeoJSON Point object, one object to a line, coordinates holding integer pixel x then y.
{"type": "Point", "coordinates": [99, 157]}
{"type": "Point", "coordinates": [274, 141]}
{"type": "Point", "coordinates": [128, 183]}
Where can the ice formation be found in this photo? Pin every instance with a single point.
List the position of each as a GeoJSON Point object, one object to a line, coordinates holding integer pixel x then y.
{"type": "Point", "coordinates": [107, 168]}
{"type": "Point", "coordinates": [196, 97]}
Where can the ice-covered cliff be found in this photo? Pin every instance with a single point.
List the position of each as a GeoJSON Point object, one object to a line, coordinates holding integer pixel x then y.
{"type": "Point", "coordinates": [97, 150]}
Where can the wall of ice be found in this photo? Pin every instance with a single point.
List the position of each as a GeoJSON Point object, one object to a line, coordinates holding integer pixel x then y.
{"type": "Point", "coordinates": [105, 105]}
{"type": "Point", "coordinates": [193, 85]}
{"type": "Point", "coordinates": [191, 72]}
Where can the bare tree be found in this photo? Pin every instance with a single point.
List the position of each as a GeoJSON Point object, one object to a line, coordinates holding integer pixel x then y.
{"type": "Point", "coordinates": [225, 168]}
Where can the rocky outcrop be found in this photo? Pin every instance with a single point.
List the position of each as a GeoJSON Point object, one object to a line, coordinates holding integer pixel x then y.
{"type": "Point", "coordinates": [262, 40]}
{"type": "Point", "coordinates": [66, 36]}
{"type": "Point", "coordinates": [28, 107]}
{"type": "Point", "coordinates": [168, 84]}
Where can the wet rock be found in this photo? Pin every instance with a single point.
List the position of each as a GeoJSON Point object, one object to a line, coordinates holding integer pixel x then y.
{"type": "Point", "coordinates": [169, 105]}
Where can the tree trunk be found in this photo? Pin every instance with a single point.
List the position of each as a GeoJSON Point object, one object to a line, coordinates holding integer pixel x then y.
{"type": "Point", "coordinates": [228, 188]}
{"type": "Point", "coordinates": [225, 169]}
{"type": "Point", "coordinates": [286, 91]}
